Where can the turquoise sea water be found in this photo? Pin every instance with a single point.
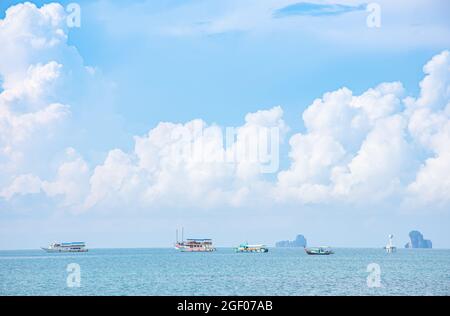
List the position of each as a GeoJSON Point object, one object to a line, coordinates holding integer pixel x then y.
{"type": "Point", "coordinates": [278, 272]}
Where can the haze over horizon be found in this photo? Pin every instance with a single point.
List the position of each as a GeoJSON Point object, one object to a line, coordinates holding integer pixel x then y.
{"type": "Point", "coordinates": [97, 121]}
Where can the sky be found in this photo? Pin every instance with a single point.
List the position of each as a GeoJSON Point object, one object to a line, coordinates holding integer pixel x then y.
{"type": "Point", "coordinates": [101, 103]}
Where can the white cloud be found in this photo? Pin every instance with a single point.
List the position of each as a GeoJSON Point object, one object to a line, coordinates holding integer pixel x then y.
{"type": "Point", "coordinates": [29, 108]}
{"type": "Point", "coordinates": [183, 164]}
{"type": "Point", "coordinates": [18, 128]}
{"type": "Point", "coordinates": [38, 81]}
{"type": "Point", "coordinates": [70, 185]}
{"type": "Point", "coordinates": [351, 142]}
{"type": "Point", "coordinates": [37, 71]}
{"type": "Point", "coordinates": [368, 148]}
{"type": "Point", "coordinates": [29, 34]}
{"type": "Point", "coordinates": [22, 185]}
{"type": "Point", "coordinates": [435, 87]}
{"type": "Point", "coordinates": [374, 147]}
{"type": "Point", "coordinates": [24, 103]}
{"type": "Point", "coordinates": [430, 126]}
{"type": "Point", "coordinates": [113, 181]}
{"type": "Point", "coordinates": [356, 149]}
{"type": "Point", "coordinates": [71, 182]}
{"type": "Point", "coordinates": [432, 185]}
{"type": "Point", "coordinates": [378, 168]}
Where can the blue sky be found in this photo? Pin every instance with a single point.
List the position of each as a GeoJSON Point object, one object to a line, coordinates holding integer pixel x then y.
{"type": "Point", "coordinates": [176, 61]}
{"type": "Point", "coordinates": [221, 77]}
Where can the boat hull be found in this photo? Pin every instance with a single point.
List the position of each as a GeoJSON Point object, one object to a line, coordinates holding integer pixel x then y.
{"type": "Point", "coordinates": [195, 245]}
{"type": "Point", "coordinates": [390, 249]}
{"type": "Point", "coordinates": [318, 252]}
{"type": "Point", "coordinates": [262, 250]}
{"type": "Point", "coordinates": [195, 249]}
{"type": "Point", "coordinates": [49, 250]}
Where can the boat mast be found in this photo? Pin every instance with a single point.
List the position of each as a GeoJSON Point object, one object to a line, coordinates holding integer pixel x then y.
{"type": "Point", "coordinates": [182, 234]}
{"type": "Point", "coordinates": [176, 235]}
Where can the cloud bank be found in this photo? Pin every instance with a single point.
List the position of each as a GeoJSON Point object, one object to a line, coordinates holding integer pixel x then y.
{"type": "Point", "coordinates": [381, 147]}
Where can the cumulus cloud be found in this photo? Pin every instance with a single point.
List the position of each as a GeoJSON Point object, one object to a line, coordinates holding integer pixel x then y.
{"type": "Point", "coordinates": [370, 147]}
{"type": "Point", "coordinates": [429, 124]}
{"type": "Point", "coordinates": [435, 87]}
{"type": "Point", "coordinates": [29, 109]}
{"type": "Point", "coordinates": [29, 35]}
{"type": "Point", "coordinates": [24, 108]}
{"type": "Point", "coordinates": [188, 164]}
{"type": "Point", "coordinates": [377, 169]}
{"type": "Point", "coordinates": [26, 112]}
{"type": "Point", "coordinates": [347, 144]}
{"type": "Point", "coordinates": [37, 71]}
{"type": "Point", "coordinates": [376, 147]}
{"type": "Point", "coordinates": [69, 186]}
{"type": "Point", "coordinates": [22, 185]}
{"type": "Point", "coordinates": [71, 182]}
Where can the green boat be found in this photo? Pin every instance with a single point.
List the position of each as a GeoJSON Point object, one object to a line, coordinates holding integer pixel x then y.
{"type": "Point", "coordinates": [324, 251]}
{"type": "Point", "coordinates": [251, 248]}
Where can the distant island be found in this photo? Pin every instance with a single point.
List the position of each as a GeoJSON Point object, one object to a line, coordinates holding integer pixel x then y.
{"type": "Point", "coordinates": [417, 241]}
{"type": "Point", "coordinates": [300, 241]}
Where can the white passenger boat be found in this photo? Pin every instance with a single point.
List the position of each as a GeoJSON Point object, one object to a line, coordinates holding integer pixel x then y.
{"type": "Point", "coordinates": [66, 247]}
{"type": "Point", "coordinates": [193, 244]}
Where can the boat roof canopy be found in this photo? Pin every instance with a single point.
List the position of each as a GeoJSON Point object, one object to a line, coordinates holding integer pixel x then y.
{"type": "Point", "coordinates": [199, 239]}
{"type": "Point", "coordinates": [73, 243]}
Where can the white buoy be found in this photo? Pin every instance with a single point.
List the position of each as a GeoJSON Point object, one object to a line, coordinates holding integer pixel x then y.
{"type": "Point", "coordinates": [390, 248]}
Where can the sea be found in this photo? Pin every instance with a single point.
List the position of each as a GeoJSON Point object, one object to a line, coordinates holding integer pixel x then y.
{"type": "Point", "coordinates": [281, 271]}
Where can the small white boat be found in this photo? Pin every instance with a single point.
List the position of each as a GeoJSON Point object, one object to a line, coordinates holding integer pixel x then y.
{"type": "Point", "coordinates": [66, 247]}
